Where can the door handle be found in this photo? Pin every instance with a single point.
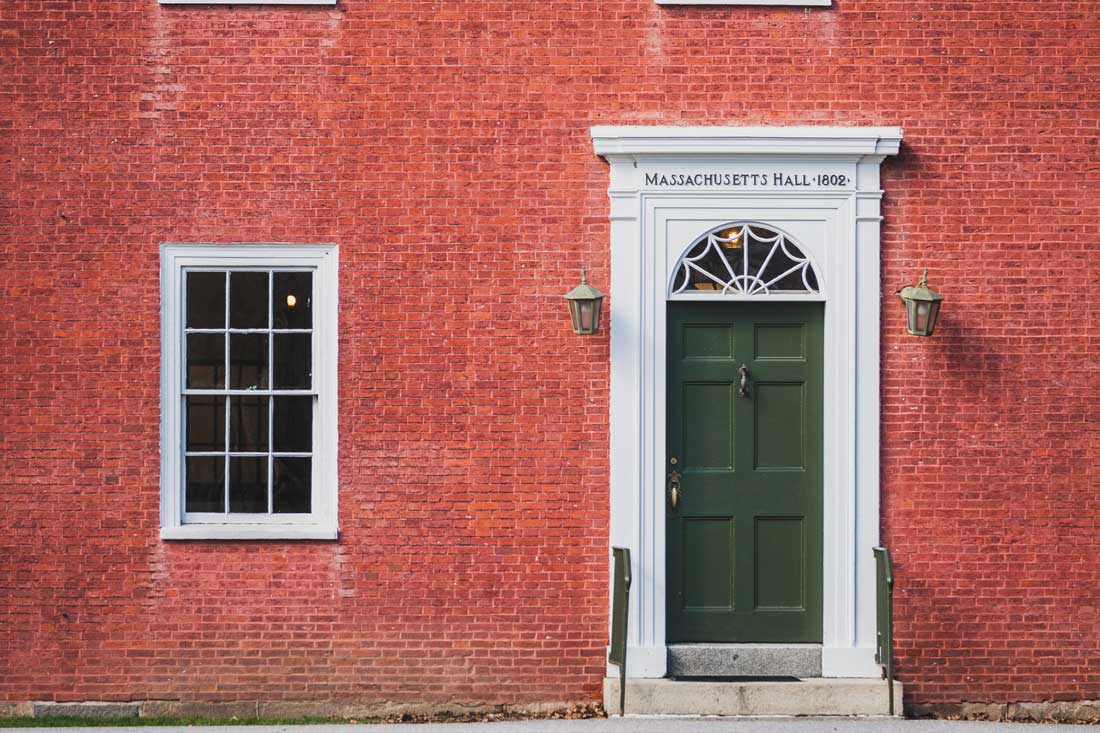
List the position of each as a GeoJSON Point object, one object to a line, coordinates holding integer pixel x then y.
{"type": "Point", "coordinates": [744, 390]}
{"type": "Point", "coordinates": [674, 492]}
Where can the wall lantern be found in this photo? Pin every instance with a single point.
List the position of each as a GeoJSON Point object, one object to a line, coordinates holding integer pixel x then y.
{"type": "Point", "coordinates": [585, 303]}
{"type": "Point", "coordinates": [922, 306]}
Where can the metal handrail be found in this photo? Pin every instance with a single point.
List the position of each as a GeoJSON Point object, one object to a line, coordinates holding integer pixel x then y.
{"type": "Point", "coordinates": [620, 616]}
{"type": "Point", "coordinates": [884, 613]}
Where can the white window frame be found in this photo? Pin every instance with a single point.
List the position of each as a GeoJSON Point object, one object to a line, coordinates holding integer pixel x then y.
{"type": "Point", "coordinates": [247, 2]}
{"type": "Point", "coordinates": [798, 3]}
{"type": "Point", "coordinates": [321, 523]}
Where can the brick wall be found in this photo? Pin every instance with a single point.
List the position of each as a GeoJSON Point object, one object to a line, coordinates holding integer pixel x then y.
{"type": "Point", "coordinates": [444, 146]}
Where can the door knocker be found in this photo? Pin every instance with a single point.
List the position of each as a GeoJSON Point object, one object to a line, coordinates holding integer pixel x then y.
{"type": "Point", "coordinates": [744, 391]}
{"type": "Point", "coordinates": [674, 490]}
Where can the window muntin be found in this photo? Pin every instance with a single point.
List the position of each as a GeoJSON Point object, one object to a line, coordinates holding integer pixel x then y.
{"type": "Point", "coordinates": [248, 393]}
{"type": "Point", "coordinates": [744, 259]}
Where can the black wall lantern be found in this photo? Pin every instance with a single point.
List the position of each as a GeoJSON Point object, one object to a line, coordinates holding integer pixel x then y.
{"type": "Point", "coordinates": [922, 306]}
{"type": "Point", "coordinates": [585, 303]}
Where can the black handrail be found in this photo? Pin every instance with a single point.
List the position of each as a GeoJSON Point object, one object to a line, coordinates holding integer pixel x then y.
{"type": "Point", "coordinates": [884, 612]}
{"type": "Point", "coordinates": [620, 616]}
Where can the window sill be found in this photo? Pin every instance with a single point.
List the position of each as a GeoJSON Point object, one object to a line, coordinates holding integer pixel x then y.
{"type": "Point", "coordinates": [249, 532]}
{"type": "Point", "coordinates": [247, 2]}
{"type": "Point", "coordinates": [796, 3]}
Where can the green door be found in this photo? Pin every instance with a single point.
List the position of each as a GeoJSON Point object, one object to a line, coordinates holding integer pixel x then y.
{"type": "Point", "coordinates": [744, 539]}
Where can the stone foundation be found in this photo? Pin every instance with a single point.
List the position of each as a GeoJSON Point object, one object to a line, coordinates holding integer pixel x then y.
{"type": "Point", "coordinates": [1061, 711]}
{"type": "Point", "coordinates": [282, 709]}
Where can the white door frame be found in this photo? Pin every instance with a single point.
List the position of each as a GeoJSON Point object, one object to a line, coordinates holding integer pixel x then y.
{"type": "Point", "coordinates": [821, 185]}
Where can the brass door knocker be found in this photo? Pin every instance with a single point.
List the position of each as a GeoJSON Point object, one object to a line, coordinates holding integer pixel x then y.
{"type": "Point", "coordinates": [674, 490]}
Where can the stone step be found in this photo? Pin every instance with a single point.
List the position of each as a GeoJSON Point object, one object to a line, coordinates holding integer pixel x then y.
{"type": "Point", "coordinates": [744, 660]}
{"type": "Point", "coordinates": [847, 697]}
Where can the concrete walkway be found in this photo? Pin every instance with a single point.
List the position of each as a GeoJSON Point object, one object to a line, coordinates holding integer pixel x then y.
{"type": "Point", "coordinates": [636, 725]}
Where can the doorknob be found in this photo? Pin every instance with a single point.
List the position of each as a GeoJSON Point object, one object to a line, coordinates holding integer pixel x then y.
{"type": "Point", "coordinates": [744, 372]}
{"type": "Point", "coordinates": [674, 492]}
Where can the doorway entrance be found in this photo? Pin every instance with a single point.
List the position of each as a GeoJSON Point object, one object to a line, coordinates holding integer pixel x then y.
{"type": "Point", "coordinates": [670, 187]}
{"type": "Point", "coordinates": [744, 453]}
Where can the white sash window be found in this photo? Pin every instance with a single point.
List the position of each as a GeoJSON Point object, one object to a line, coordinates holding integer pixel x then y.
{"type": "Point", "coordinates": [248, 392]}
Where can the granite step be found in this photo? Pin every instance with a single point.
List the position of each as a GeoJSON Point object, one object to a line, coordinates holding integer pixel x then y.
{"type": "Point", "coordinates": [808, 697]}
{"type": "Point", "coordinates": [744, 660]}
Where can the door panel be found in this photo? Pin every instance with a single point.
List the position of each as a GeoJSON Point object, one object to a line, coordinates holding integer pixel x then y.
{"type": "Point", "coordinates": [708, 340]}
{"type": "Point", "coordinates": [707, 440]}
{"type": "Point", "coordinates": [780, 341]}
{"type": "Point", "coordinates": [744, 544]}
{"type": "Point", "coordinates": [710, 537]}
{"type": "Point", "coordinates": [779, 410]}
{"type": "Point", "coordinates": [780, 563]}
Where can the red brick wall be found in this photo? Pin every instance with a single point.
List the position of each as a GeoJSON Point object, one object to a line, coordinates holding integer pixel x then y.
{"type": "Point", "coordinates": [445, 147]}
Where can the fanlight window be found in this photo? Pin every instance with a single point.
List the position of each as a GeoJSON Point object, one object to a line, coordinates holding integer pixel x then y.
{"type": "Point", "coordinates": [745, 259]}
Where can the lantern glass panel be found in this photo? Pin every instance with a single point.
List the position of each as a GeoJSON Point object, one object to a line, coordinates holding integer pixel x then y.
{"type": "Point", "coordinates": [921, 314]}
{"type": "Point", "coordinates": [933, 316]}
{"type": "Point", "coordinates": [574, 315]}
{"type": "Point", "coordinates": [586, 316]}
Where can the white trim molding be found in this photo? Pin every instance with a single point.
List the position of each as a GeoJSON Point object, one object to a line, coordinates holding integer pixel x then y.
{"type": "Point", "coordinates": [665, 140]}
{"type": "Point", "coordinates": [799, 3]}
{"type": "Point", "coordinates": [248, 2]}
{"type": "Point", "coordinates": [820, 185]}
{"type": "Point", "coordinates": [320, 523]}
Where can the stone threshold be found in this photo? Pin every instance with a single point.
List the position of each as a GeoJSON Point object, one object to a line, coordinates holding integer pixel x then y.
{"type": "Point", "coordinates": [744, 660]}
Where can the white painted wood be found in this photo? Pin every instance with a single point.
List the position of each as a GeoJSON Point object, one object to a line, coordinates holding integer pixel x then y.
{"type": "Point", "coordinates": [247, 2]}
{"type": "Point", "coordinates": [321, 523]}
{"type": "Point", "coordinates": [799, 3]}
{"type": "Point", "coordinates": [836, 225]}
{"type": "Point", "coordinates": [643, 661]}
{"type": "Point", "coordinates": [641, 140]}
{"type": "Point", "coordinates": [248, 532]}
{"type": "Point", "coordinates": [851, 661]}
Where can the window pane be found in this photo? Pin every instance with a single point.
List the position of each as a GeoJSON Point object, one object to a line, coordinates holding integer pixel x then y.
{"type": "Point", "coordinates": [248, 300]}
{"type": "Point", "coordinates": [293, 424]}
{"type": "Point", "coordinates": [291, 492]}
{"type": "Point", "coordinates": [205, 484]}
{"type": "Point", "coordinates": [248, 424]}
{"type": "Point", "coordinates": [248, 485]}
{"type": "Point", "coordinates": [206, 360]}
{"type": "Point", "coordinates": [206, 300]}
{"type": "Point", "coordinates": [293, 300]}
{"type": "Point", "coordinates": [293, 360]}
{"type": "Point", "coordinates": [205, 423]}
{"type": "Point", "coordinates": [248, 361]}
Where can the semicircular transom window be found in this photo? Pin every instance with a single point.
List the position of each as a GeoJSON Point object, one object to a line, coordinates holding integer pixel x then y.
{"type": "Point", "coordinates": [745, 260]}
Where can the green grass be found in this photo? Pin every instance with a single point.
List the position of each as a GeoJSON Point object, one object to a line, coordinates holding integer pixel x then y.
{"type": "Point", "coordinates": [62, 722]}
